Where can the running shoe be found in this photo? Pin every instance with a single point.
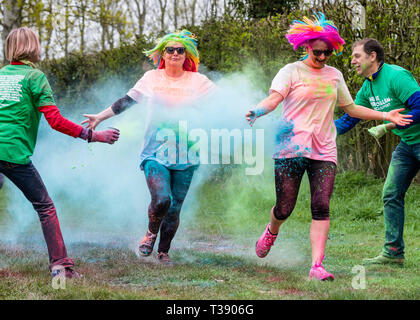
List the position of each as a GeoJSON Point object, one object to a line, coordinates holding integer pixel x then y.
{"type": "Point", "coordinates": [264, 243]}
{"type": "Point", "coordinates": [146, 245]}
{"type": "Point", "coordinates": [163, 258]}
{"type": "Point", "coordinates": [383, 260]}
{"type": "Point", "coordinates": [319, 273]}
{"type": "Point", "coordinates": [68, 272]}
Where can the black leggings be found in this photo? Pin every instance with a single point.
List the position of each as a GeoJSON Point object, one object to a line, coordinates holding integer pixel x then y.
{"type": "Point", "coordinates": [288, 176]}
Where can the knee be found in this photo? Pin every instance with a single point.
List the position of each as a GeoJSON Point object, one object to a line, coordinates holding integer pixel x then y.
{"type": "Point", "coordinates": [174, 211]}
{"type": "Point", "coordinates": [389, 189]}
{"type": "Point", "coordinates": [391, 194]}
{"type": "Point", "coordinates": [45, 209]}
{"type": "Point", "coordinates": [172, 218]}
{"type": "Point", "coordinates": [176, 205]}
{"type": "Point", "coordinates": [320, 214]}
{"type": "Point", "coordinates": [320, 210]}
{"type": "Point", "coordinates": [281, 212]}
{"type": "Point", "coordinates": [161, 204]}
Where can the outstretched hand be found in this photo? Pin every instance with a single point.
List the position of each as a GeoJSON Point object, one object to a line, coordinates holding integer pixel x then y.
{"type": "Point", "coordinates": [399, 118]}
{"type": "Point", "coordinates": [251, 116]}
{"type": "Point", "coordinates": [105, 136]}
{"type": "Point", "coordinates": [92, 121]}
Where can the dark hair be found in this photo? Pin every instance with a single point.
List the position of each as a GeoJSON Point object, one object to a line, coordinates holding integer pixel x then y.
{"type": "Point", "coordinates": [370, 45]}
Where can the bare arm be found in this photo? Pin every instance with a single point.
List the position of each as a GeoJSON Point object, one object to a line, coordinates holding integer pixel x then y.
{"type": "Point", "coordinates": [116, 108]}
{"type": "Point", "coordinates": [265, 106]}
{"type": "Point", "coordinates": [94, 119]}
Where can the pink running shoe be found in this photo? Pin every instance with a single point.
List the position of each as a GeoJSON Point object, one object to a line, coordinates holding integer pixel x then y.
{"type": "Point", "coordinates": [146, 245]}
{"type": "Point", "coordinates": [319, 273]}
{"type": "Point", "coordinates": [264, 243]}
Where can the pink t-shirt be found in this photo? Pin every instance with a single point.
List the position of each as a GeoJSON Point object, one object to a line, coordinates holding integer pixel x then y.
{"type": "Point", "coordinates": [310, 96]}
{"type": "Point", "coordinates": [162, 89]}
{"type": "Point", "coordinates": [169, 98]}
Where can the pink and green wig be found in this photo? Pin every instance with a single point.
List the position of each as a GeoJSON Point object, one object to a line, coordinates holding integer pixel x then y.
{"type": "Point", "coordinates": [301, 33]}
{"type": "Point", "coordinates": [187, 39]}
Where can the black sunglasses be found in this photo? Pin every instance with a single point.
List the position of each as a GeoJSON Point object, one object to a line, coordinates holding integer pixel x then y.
{"type": "Point", "coordinates": [171, 50]}
{"type": "Point", "coordinates": [318, 53]}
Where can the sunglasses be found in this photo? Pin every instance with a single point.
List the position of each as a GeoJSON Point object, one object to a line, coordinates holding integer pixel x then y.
{"type": "Point", "coordinates": [318, 53]}
{"type": "Point", "coordinates": [171, 50]}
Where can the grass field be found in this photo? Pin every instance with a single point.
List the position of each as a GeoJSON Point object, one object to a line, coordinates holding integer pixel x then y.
{"type": "Point", "coordinates": [214, 251]}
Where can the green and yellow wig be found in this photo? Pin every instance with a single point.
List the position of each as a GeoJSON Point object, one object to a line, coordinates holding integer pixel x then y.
{"type": "Point", "coordinates": [187, 39]}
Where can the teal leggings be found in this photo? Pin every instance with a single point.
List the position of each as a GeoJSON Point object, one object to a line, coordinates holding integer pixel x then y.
{"type": "Point", "coordinates": [168, 189]}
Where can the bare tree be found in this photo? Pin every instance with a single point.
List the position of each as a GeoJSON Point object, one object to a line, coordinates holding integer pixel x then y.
{"type": "Point", "coordinates": [213, 8]}
{"type": "Point", "coordinates": [48, 25]}
{"type": "Point", "coordinates": [11, 11]}
{"type": "Point", "coordinates": [210, 8]}
{"type": "Point", "coordinates": [80, 11]}
{"type": "Point", "coordinates": [176, 14]}
{"type": "Point", "coordinates": [109, 15]}
{"type": "Point", "coordinates": [140, 10]}
{"type": "Point", "coordinates": [189, 11]}
{"type": "Point", "coordinates": [162, 5]}
{"type": "Point", "coordinates": [65, 27]}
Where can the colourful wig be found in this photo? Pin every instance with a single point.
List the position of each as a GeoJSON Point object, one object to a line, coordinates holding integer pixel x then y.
{"type": "Point", "coordinates": [301, 33]}
{"type": "Point", "coordinates": [187, 39]}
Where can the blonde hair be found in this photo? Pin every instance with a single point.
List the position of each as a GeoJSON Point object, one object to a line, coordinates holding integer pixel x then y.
{"type": "Point", "coordinates": [22, 44]}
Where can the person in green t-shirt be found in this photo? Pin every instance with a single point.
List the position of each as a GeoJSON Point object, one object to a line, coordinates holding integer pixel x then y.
{"type": "Point", "coordinates": [25, 95]}
{"type": "Point", "coordinates": [388, 87]}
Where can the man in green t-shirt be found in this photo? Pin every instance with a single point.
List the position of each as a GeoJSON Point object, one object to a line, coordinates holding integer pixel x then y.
{"type": "Point", "coordinates": [388, 87]}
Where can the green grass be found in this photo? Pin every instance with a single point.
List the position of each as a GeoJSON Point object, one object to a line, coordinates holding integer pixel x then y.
{"type": "Point", "coordinates": [214, 254]}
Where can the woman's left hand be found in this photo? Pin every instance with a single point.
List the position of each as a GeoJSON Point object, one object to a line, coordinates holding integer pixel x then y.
{"type": "Point", "coordinates": [92, 121]}
{"type": "Point", "coordinates": [399, 118]}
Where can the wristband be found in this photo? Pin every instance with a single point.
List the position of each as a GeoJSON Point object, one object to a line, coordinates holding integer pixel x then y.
{"type": "Point", "coordinates": [90, 134]}
{"type": "Point", "coordinates": [384, 115]}
{"type": "Point", "coordinates": [86, 134]}
{"type": "Point", "coordinates": [258, 112]}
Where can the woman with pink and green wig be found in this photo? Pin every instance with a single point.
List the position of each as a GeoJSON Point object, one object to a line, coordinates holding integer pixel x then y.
{"type": "Point", "coordinates": [170, 89]}
{"type": "Point", "coordinates": [309, 90]}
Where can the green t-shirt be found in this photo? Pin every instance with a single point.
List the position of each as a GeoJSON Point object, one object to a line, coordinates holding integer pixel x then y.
{"type": "Point", "coordinates": [22, 90]}
{"type": "Point", "coordinates": [388, 91]}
